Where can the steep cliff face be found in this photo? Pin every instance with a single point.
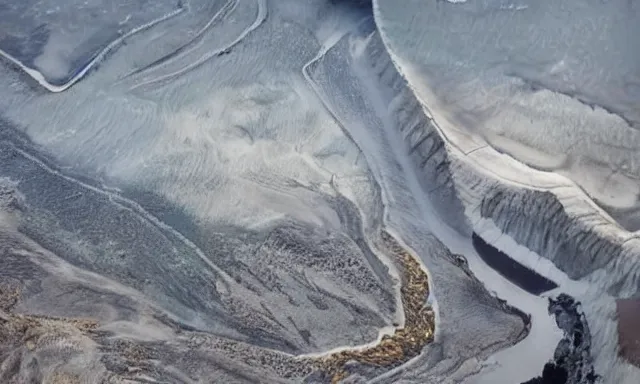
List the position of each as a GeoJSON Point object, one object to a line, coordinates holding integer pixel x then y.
{"type": "Point", "coordinates": [555, 223]}
{"type": "Point", "coordinates": [535, 218]}
{"type": "Point", "coordinates": [471, 184]}
{"type": "Point", "coordinates": [425, 146]}
{"type": "Point", "coordinates": [550, 216]}
{"type": "Point", "coordinates": [539, 220]}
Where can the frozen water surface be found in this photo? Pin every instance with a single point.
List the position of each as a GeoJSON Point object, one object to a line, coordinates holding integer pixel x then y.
{"type": "Point", "coordinates": [209, 181]}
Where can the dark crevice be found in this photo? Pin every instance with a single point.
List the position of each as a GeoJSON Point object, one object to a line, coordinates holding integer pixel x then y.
{"type": "Point", "coordinates": [523, 277]}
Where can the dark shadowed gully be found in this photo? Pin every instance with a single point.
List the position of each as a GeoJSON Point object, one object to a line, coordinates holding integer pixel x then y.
{"type": "Point", "coordinates": [525, 278]}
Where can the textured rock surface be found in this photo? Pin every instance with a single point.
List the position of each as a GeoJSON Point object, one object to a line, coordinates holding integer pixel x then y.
{"type": "Point", "coordinates": [471, 324]}
{"type": "Point", "coordinates": [572, 362]}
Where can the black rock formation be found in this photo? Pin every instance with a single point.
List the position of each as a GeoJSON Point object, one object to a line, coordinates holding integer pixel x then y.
{"type": "Point", "coordinates": [572, 362]}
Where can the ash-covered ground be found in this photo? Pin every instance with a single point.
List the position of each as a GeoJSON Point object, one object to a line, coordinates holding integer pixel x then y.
{"type": "Point", "coordinates": [205, 191]}
{"type": "Point", "coordinates": [193, 200]}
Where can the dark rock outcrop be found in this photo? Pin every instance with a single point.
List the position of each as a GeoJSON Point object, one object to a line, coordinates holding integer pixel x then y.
{"type": "Point", "coordinates": [572, 362]}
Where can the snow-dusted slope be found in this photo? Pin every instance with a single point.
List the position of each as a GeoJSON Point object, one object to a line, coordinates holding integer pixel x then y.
{"type": "Point", "coordinates": [530, 213]}
{"type": "Point", "coordinates": [358, 82]}
{"type": "Point", "coordinates": [255, 149]}
{"type": "Point", "coordinates": [553, 85]}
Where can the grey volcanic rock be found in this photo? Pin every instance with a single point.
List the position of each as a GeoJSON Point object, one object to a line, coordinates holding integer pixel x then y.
{"type": "Point", "coordinates": [121, 241]}
{"type": "Point", "coordinates": [573, 235]}
{"type": "Point", "coordinates": [423, 144]}
{"type": "Point", "coordinates": [60, 40]}
{"type": "Point", "coordinates": [525, 79]}
{"type": "Point", "coordinates": [366, 94]}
